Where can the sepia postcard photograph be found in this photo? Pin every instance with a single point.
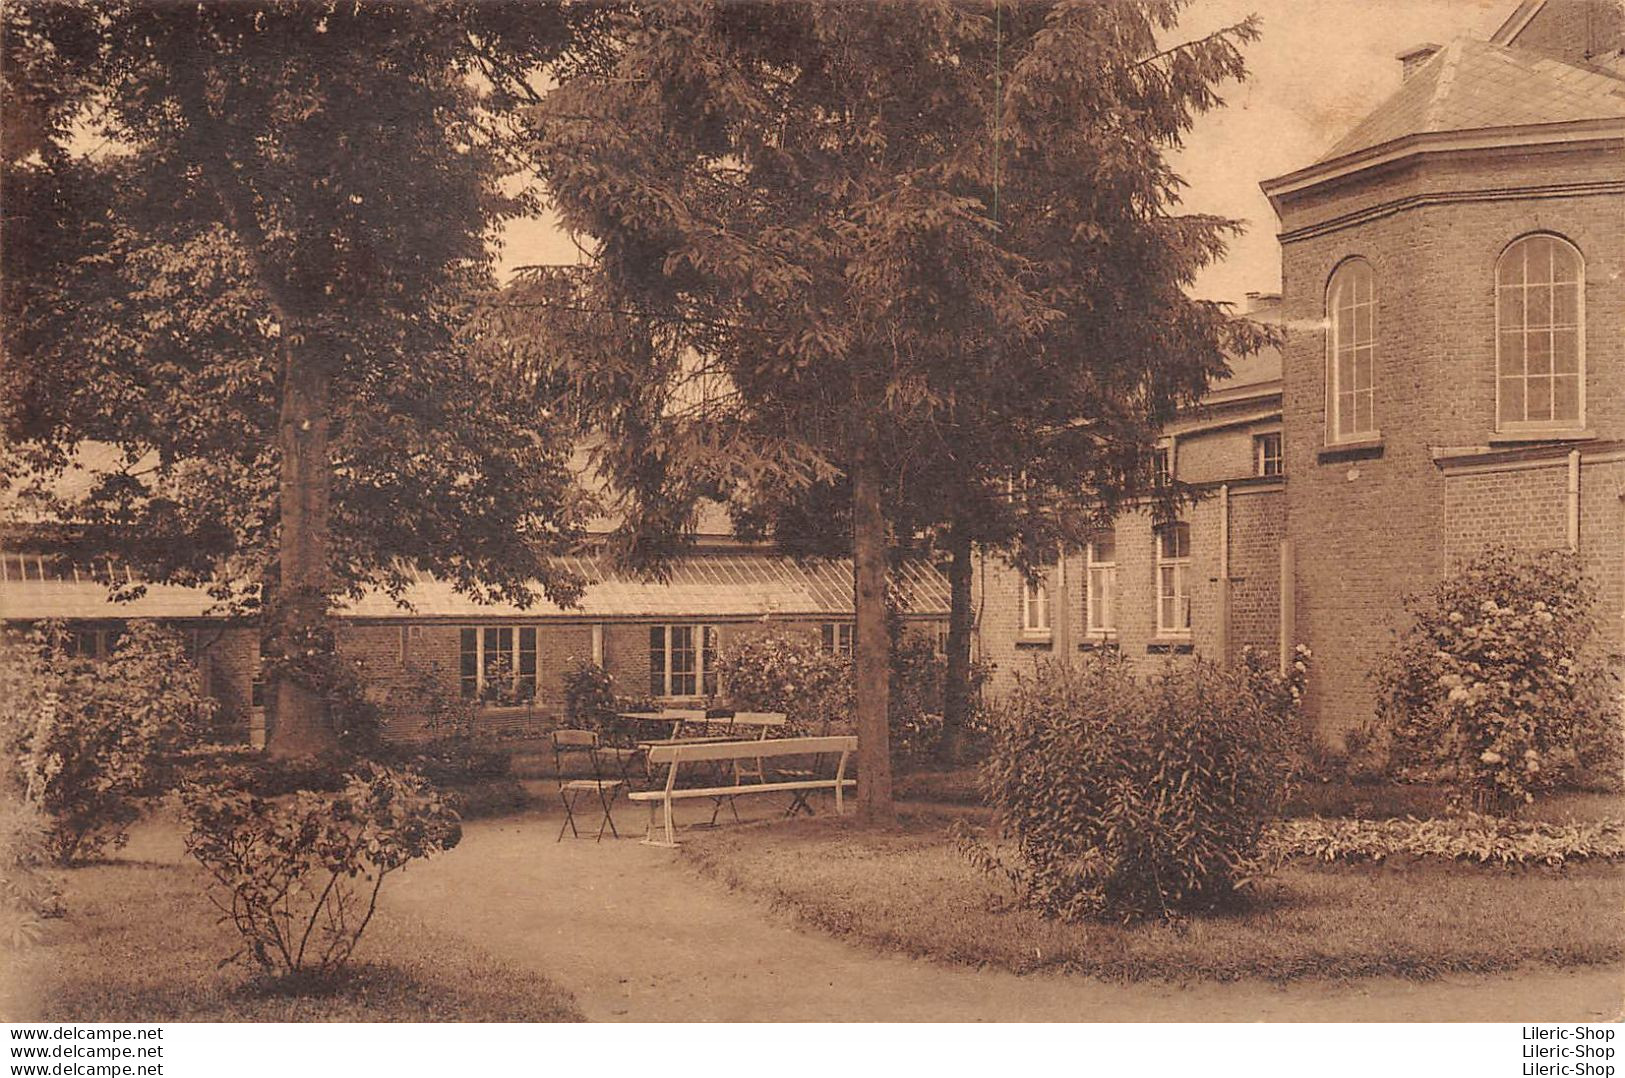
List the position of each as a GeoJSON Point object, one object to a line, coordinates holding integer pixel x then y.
{"type": "Point", "coordinates": [810, 511]}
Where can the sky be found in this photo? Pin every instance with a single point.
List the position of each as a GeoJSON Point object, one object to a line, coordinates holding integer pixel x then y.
{"type": "Point", "coordinates": [1319, 68]}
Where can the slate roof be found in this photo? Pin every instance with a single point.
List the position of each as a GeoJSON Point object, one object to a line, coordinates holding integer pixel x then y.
{"type": "Point", "coordinates": [701, 585]}
{"type": "Point", "coordinates": [1470, 85]}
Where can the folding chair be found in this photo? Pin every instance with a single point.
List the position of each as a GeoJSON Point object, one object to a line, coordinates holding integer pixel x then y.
{"type": "Point", "coordinates": [584, 742]}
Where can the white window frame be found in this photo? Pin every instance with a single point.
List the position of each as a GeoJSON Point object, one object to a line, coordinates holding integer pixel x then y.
{"type": "Point", "coordinates": [1345, 276]}
{"type": "Point", "coordinates": [1173, 582]}
{"type": "Point", "coordinates": [836, 637]}
{"type": "Point", "coordinates": [1036, 620]}
{"type": "Point", "coordinates": [513, 650]}
{"type": "Point", "coordinates": [1100, 592]}
{"type": "Point", "coordinates": [1262, 456]}
{"type": "Point", "coordinates": [1520, 291]}
{"type": "Point", "coordinates": [704, 645]}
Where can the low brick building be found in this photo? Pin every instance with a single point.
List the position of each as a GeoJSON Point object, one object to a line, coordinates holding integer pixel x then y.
{"type": "Point", "coordinates": [1453, 270]}
{"type": "Point", "coordinates": [656, 639]}
{"type": "Point", "coordinates": [1205, 583]}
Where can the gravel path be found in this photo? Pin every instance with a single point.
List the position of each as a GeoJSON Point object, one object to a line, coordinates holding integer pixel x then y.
{"type": "Point", "coordinates": [640, 937]}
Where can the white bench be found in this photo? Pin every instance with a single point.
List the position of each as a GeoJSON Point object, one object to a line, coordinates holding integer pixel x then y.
{"type": "Point", "coordinates": [675, 756]}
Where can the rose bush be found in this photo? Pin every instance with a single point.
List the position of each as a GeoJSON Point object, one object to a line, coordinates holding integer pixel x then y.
{"type": "Point", "coordinates": [1496, 688]}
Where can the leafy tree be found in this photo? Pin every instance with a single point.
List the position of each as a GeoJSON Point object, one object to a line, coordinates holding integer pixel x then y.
{"type": "Point", "coordinates": [255, 287]}
{"type": "Point", "coordinates": [905, 248]}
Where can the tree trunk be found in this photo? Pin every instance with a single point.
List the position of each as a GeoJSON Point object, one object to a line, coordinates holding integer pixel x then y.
{"type": "Point", "coordinates": [956, 694]}
{"type": "Point", "coordinates": [873, 695]}
{"type": "Point", "coordinates": [296, 621]}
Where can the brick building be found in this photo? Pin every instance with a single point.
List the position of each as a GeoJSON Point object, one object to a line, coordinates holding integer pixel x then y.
{"type": "Point", "coordinates": [1453, 270]}
{"type": "Point", "coordinates": [1206, 583]}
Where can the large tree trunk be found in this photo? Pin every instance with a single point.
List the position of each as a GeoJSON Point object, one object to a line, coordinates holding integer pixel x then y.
{"type": "Point", "coordinates": [956, 694]}
{"type": "Point", "coordinates": [873, 695]}
{"type": "Point", "coordinates": [296, 621]}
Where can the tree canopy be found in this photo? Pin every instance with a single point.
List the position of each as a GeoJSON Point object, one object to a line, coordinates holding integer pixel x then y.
{"type": "Point", "coordinates": [241, 245]}
{"type": "Point", "coordinates": [914, 250]}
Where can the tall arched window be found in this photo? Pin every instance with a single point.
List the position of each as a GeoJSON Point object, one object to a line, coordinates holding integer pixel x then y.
{"type": "Point", "coordinates": [1351, 375]}
{"type": "Point", "coordinates": [1539, 338]}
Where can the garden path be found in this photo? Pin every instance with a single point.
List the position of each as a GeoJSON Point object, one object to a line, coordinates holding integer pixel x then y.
{"type": "Point", "coordinates": [639, 936]}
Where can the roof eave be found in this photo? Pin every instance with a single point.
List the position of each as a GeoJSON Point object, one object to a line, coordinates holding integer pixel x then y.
{"type": "Point", "coordinates": [1431, 142]}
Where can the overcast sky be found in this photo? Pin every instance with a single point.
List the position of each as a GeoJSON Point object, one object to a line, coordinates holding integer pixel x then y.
{"type": "Point", "coordinates": [1319, 68]}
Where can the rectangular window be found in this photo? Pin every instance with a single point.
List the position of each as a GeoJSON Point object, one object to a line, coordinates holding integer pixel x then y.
{"type": "Point", "coordinates": [497, 664]}
{"type": "Point", "coordinates": [837, 637]}
{"type": "Point", "coordinates": [1267, 454]}
{"type": "Point", "coordinates": [96, 644]}
{"type": "Point", "coordinates": [1162, 466]}
{"type": "Point", "coordinates": [682, 660]}
{"type": "Point", "coordinates": [1035, 608]}
{"type": "Point", "coordinates": [1173, 580]}
{"type": "Point", "coordinates": [1101, 581]}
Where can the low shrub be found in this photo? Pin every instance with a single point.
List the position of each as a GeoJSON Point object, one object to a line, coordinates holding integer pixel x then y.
{"type": "Point", "coordinates": [1127, 799]}
{"type": "Point", "coordinates": [453, 761]}
{"type": "Point", "coordinates": [1484, 839]}
{"type": "Point", "coordinates": [590, 702]}
{"type": "Point", "coordinates": [92, 740]}
{"type": "Point", "coordinates": [29, 891]}
{"type": "Point", "coordinates": [299, 877]}
{"type": "Point", "coordinates": [1495, 688]}
{"type": "Point", "coordinates": [253, 772]}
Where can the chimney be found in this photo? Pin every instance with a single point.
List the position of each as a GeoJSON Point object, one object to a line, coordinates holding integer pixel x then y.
{"type": "Point", "coordinates": [1265, 303]}
{"type": "Point", "coordinates": [1415, 57]}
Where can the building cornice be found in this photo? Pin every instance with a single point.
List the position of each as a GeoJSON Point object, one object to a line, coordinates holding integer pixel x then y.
{"type": "Point", "coordinates": [1480, 459]}
{"type": "Point", "coordinates": [1436, 198]}
{"type": "Point", "coordinates": [1522, 136]}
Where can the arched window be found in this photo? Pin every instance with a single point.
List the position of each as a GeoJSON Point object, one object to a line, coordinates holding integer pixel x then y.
{"type": "Point", "coordinates": [1539, 342]}
{"type": "Point", "coordinates": [1351, 374]}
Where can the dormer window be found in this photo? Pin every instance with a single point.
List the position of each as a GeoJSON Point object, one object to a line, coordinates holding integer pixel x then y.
{"type": "Point", "coordinates": [1539, 340]}
{"type": "Point", "coordinates": [1351, 360]}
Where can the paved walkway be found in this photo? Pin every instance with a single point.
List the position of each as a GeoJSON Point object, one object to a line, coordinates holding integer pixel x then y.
{"type": "Point", "coordinates": [639, 936]}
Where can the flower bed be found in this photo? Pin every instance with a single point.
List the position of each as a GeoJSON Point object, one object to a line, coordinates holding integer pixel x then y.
{"type": "Point", "coordinates": [1484, 839]}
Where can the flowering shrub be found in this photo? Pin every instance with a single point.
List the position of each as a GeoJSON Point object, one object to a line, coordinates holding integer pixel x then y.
{"type": "Point", "coordinates": [590, 702]}
{"type": "Point", "coordinates": [1126, 799]}
{"type": "Point", "coordinates": [299, 878]}
{"type": "Point", "coordinates": [90, 740]}
{"type": "Point", "coordinates": [788, 672]}
{"type": "Point", "coordinates": [1494, 688]}
{"type": "Point", "coordinates": [1484, 839]}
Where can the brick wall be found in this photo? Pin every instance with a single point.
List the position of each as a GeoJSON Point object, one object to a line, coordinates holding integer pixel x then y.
{"type": "Point", "coordinates": [1577, 30]}
{"type": "Point", "coordinates": [1368, 531]}
{"type": "Point", "coordinates": [1527, 508]}
{"type": "Point", "coordinates": [1256, 528]}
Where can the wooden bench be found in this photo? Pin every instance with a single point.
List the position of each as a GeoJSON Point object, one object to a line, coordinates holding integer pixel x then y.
{"type": "Point", "coordinates": [675, 756]}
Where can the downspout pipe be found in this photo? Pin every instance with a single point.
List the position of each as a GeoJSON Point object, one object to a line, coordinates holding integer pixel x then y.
{"type": "Point", "coordinates": [1574, 501]}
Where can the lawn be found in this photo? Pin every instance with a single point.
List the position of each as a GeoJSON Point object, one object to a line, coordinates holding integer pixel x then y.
{"type": "Point", "coordinates": [140, 943]}
{"type": "Point", "coordinates": [909, 891]}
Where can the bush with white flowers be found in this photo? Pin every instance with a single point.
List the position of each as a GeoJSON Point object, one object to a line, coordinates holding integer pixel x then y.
{"type": "Point", "coordinates": [1497, 687]}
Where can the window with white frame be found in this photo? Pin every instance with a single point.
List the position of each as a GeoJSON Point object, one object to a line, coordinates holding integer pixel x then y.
{"type": "Point", "coordinates": [1100, 596]}
{"type": "Point", "coordinates": [682, 660]}
{"type": "Point", "coordinates": [1173, 579]}
{"type": "Point", "coordinates": [498, 663]}
{"type": "Point", "coordinates": [1351, 376]}
{"type": "Point", "coordinates": [1267, 454]}
{"type": "Point", "coordinates": [1035, 607]}
{"type": "Point", "coordinates": [1539, 338]}
{"type": "Point", "coordinates": [837, 637]}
